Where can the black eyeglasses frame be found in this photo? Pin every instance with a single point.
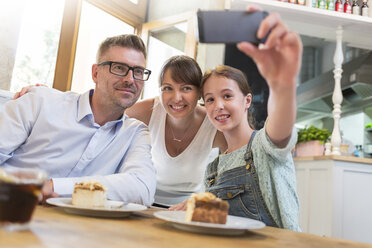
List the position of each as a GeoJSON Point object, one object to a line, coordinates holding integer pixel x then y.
{"type": "Point", "coordinates": [130, 68]}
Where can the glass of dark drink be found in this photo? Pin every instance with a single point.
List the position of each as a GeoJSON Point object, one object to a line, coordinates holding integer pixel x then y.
{"type": "Point", "coordinates": [20, 192]}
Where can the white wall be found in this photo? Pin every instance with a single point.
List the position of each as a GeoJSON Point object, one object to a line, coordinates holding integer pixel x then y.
{"type": "Point", "coordinates": [158, 9]}
{"type": "Point", "coordinates": [352, 127]}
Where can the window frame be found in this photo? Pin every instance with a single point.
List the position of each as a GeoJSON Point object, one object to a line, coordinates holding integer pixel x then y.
{"type": "Point", "coordinates": [189, 17]}
{"type": "Point", "coordinates": [70, 29]}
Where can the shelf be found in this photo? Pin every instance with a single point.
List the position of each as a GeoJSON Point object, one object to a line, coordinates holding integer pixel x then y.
{"type": "Point", "coordinates": [318, 22]}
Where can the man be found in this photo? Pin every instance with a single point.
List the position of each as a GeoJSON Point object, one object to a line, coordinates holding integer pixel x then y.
{"type": "Point", "coordinates": [81, 137]}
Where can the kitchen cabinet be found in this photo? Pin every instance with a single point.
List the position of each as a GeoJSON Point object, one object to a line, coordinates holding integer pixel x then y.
{"type": "Point", "coordinates": [356, 31]}
{"type": "Point", "coordinates": [335, 196]}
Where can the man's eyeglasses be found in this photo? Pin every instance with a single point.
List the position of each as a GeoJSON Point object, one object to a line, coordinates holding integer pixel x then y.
{"type": "Point", "coordinates": [121, 69]}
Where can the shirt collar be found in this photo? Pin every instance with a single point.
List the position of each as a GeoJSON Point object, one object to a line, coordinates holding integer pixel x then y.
{"type": "Point", "coordinates": [84, 108]}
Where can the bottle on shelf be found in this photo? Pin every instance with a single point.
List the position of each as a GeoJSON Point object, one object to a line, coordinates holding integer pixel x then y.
{"type": "Point", "coordinates": [355, 8]}
{"type": "Point", "coordinates": [347, 7]}
{"type": "Point", "coordinates": [356, 151]}
{"type": "Point", "coordinates": [364, 8]}
{"type": "Point", "coordinates": [339, 6]}
{"type": "Point", "coordinates": [292, 1]}
{"type": "Point", "coordinates": [321, 4]}
{"type": "Point", "coordinates": [330, 5]}
{"type": "Point", "coordinates": [301, 2]}
{"type": "Point", "coordinates": [314, 3]}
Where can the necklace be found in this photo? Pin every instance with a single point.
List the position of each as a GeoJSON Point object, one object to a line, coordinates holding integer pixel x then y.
{"type": "Point", "coordinates": [174, 137]}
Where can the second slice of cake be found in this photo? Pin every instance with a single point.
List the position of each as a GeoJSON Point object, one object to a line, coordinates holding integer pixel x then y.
{"type": "Point", "coordinates": [206, 207]}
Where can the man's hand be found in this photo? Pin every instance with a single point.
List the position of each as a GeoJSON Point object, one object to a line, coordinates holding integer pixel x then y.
{"type": "Point", "coordinates": [48, 191]}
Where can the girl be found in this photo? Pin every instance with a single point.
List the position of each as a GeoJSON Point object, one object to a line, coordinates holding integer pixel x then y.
{"type": "Point", "coordinates": [256, 173]}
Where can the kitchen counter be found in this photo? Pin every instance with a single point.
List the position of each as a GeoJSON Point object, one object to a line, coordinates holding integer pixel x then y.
{"type": "Point", "coordinates": [336, 158]}
{"type": "Point", "coordinates": [335, 196]}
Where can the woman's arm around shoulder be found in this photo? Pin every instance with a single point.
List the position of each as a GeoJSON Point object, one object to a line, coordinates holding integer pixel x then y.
{"type": "Point", "coordinates": [141, 110]}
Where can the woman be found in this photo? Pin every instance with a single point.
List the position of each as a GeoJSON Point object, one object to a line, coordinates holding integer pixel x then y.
{"type": "Point", "coordinates": [180, 130]}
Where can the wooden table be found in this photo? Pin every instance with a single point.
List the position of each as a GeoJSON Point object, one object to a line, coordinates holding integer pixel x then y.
{"type": "Point", "coordinates": [51, 227]}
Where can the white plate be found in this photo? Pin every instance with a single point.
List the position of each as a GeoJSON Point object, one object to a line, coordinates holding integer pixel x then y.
{"type": "Point", "coordinates": [234, 225]}
{"type": "Point", "coordinates": [114, 209]}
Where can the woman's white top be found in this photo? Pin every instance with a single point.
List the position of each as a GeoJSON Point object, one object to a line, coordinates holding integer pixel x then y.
{"type": "Point", "coordinates": [178, 177]}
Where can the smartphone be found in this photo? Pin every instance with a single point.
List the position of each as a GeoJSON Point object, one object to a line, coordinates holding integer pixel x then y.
{"type": "Point", "coordinates": [229, 26]}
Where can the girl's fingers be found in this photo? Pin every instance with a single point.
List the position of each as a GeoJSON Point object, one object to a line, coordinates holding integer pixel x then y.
{"type": "Point", "coordinates": [250, 50]}
{"type": "Point", "coordinates": [267, 24]}
{"type": "Point", "coordinates": [276, 36]}
{"type": "Point", "coordinates": [252, 8]}
{"type": "Point", "coordinates": [293, 39]}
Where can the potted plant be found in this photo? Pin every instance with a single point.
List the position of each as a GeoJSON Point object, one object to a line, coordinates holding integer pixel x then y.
{"type": "Point", "coordinates": [311, 140]}
{"type": "Point", "coordinates": [369, 127]}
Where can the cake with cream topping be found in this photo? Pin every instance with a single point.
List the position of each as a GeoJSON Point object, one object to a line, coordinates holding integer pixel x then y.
{"type": "Point", "coordinates": [89, 194]}
{"type": "Point", "coordinates": [206, 207]}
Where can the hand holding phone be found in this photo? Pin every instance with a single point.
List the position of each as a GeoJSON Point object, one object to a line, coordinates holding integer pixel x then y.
{"type": "Point", "coordinates": [229, 26]}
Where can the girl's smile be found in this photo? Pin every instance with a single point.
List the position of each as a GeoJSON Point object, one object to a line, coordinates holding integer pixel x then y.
{"type": "Point", "coordinates": [222, 118]}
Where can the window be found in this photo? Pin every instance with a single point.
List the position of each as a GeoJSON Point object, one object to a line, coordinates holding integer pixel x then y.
{"type": "Point", "coordinates": [38, 43]}
{"type": "Point", "coordinates": [170, 36]}
{"type": "Point", "coordinates": [95, 26]}
{"type": "Point", "coordinates": [158, 53]}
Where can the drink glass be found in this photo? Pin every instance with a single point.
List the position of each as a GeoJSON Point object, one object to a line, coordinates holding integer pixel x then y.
{"type": "Point", "coordinates": [20, 192]}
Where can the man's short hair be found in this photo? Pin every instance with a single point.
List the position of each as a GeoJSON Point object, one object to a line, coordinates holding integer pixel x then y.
{"type": "Point", "coordinates": [125, 40]}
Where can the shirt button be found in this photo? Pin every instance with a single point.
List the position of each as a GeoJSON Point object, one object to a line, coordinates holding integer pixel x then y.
{"type": "Point", "coordinates": [229, 195]}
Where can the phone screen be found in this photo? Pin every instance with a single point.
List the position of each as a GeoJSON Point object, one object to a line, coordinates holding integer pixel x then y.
{"type": "Point", "coordinates": [229, 26]}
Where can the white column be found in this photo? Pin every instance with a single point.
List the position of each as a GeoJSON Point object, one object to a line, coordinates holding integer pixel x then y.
{"type": "Point", "coordinates": [337, 93]}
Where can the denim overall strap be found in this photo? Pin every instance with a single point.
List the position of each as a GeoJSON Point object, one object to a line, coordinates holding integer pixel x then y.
{"type": "Point", "coordinates": [248, 156]}
{"type": "Point", "coordinates": [212, 172]}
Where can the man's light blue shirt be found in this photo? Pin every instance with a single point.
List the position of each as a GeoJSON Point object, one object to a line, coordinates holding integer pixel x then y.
{"type": "Point", "coordinates": [56, 131]}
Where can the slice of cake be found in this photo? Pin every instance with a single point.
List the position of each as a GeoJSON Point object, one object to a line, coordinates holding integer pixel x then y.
{"type": "Point", "coordinates": [206, 207]}
{"type": "Point", "coordinates": [89, 194]}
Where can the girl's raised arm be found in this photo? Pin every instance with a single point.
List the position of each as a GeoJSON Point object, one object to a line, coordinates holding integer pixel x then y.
{"type": "Point", "coordinates": [279, 61]}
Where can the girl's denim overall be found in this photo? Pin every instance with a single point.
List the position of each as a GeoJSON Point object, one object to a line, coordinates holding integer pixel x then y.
{"type": "Point", "coordinates": [240, 187]}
